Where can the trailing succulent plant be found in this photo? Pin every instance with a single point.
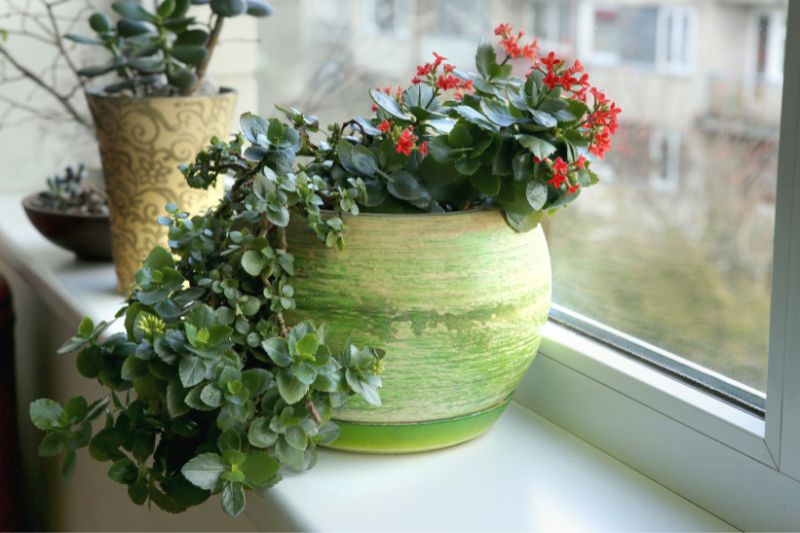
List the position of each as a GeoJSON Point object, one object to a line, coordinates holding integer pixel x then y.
{"type": "Point", "coordinates": [163, 52]}
{"type": "Point", "coordinates": [211, 390]}
{"type": "Point", "coordinates": [69, 193]}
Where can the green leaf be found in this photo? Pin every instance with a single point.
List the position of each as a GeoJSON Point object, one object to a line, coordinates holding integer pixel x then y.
{"type": "Point", "coordinates": [192, 370]}
{"type": "Point", "coordinates": [259, 434]}
{"type": "Point", "coordinates": [296, 438]}
{"type": "Point", "coordinates": [259, 8]}
{"type": "Point", "coordinates": [123, 471]}
{"type": "Point", "coordinates": [497, 111]}
{"type": "Point", "coordinates": [47, 414]}
{"type": "Point", "coordinates": [229, 440]}
{"type": "Point", "coordinates": [192, 38]}
{"type": "Point", "coordinates": [405, 187]}
{"type": "Point", "coordinates": [82, 40]}
{"type": "Point", "coordinates": [524, 222]}
{"type": "Point", "coordinates": [486, 182]}
{"type": "Point", "coordinates": [278, 350]}
{"type": "Point", "coordinates": [191, 55]}
{"type": "Point", "coordinates": [131, 28]}
{"type": "Point", "coordinates": [522, 165]}
{"type": "Point", "coordinates": [176, 406]}
{"type": "Point", "coordinates": [133, 10]}
{"type": "Point", "coordinates": [292, 390]}
{"type": "Point", "coordinates": [538, 147]}
{"type": "Point", "coordinates": [257, 381]}
{"type": "Point", "coordinates": [536, 193]}
{"type": "Point", "coordinates": [233, 457]}
{"type": "Point", "coordinates": [259, 468]}
{"type": "Point", "coordinates": [54, 443]}
{"type": "Point", "coordinates": [99, 22]}
{"type": "Point", "coordinates": [179, 76]}
{"type": "Point", "coordinates": [253, 262]}
{"type": "Point", "coordinates": [543, 119]}
{"type": "Point", "coordinates": [233, 499]}
{"type": "Point", "coordinates": [86, 327]}
{"type": "Point", "coordinates": [475, 117]}
{"type": "Point", "coordinates": [440, 149]}
{"type": "Point", "coordinates": [159, 258]}
{"type": "Point", "coordinates": [486, 60]}
{"type": "Point", "coordinates": [228, 8]}
{"type": "Point", "coordinates": [166, 8]}
{"type": "Point", "coordinates": [364, 160]}
{"type": "Point", "coordinates": [459, 136]}
{"type": "Point", "coordinates": [211, 395]}
{"type": "Point", "coordinates": [76, 408]}
{"type": "Point", "coordinates": [204, 470]}
{"type": "Point", "coordinates": [388, 104]}
{"type": "Point", "coordinates": [307, 346]}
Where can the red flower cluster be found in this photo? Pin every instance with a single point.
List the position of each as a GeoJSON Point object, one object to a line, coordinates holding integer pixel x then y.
{"type": "Point", "coordinates": [385, 126]}
{"type": "Point", "coordinates": [602, 123]}
{"type": "Point", "coordinates": [567, 80]}
{"type": "Point", "coordinates": [429, 72]}
{"type": "Point", "coordinates": [561, 171]}
{"type": "Point", "coordinates": [406, 142]}
{"type": "Point", "coordinates": [510, 43]}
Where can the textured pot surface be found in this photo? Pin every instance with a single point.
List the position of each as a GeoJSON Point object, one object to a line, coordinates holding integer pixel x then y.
{"type": "Point", "coordinates": [142, 142]}
{"type": "Point", "coordinates": [456, 300]}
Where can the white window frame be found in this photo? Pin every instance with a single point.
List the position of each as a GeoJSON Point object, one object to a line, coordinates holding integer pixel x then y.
{"type": "Point", "coordinates": [741, 467]}
{"type": "Point", "coordinates": [667, 49]}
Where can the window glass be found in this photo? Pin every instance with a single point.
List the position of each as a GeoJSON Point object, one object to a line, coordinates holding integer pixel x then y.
{"type": "Point", "coordinates": [674, 247]}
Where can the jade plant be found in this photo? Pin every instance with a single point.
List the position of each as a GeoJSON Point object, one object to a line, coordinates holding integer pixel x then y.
{"type": "Point", "coordinates": [163, 52]}
{"type": "Point", "coordinates": [211, 389]}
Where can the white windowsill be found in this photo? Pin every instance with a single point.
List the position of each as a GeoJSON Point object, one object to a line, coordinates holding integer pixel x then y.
{"type": "Point", "coordinates": [525, 474]}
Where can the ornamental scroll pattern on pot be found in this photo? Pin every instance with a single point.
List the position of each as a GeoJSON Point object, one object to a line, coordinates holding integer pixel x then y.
{"type": "Point", "coordinates": [142, 142]}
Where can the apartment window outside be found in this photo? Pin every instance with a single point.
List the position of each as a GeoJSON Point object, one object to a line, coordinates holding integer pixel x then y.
{"type": "Point", "coordinates": [686, 271]}
{"type": "Point", "coordinates": [552, 22]}
{"type": "Point", "coordinates": [457, 18]}
{"type": "Point", "coordinates": [665, 156]}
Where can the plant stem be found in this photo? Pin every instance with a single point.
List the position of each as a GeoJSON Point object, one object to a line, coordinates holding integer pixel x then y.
{"type": "Point", "coordinates": [213, 39]}
{"type": "Point", "coordinates": [312, 409]}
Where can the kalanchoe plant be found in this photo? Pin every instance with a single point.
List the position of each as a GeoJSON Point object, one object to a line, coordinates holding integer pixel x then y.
{"type": "Point", "coordinates": [210, 390]}
{"type": "Point", "coordinates": [69, 193]}
{"type": "Point", "coordinates": [163, 52]}
{"type": "Point", "coordinates": [458, 140]}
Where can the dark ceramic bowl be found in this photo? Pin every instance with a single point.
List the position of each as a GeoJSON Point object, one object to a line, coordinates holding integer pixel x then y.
{"type": "Point", "coordinates": [89, 236]}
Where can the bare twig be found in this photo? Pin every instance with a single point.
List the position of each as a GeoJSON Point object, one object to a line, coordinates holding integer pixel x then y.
{"type": "Point", "coordinates": [59, 42]}
{"type": "Point", "coordinates": [213, 39]}
{"type": "Point", "coordinates": [65, 103]}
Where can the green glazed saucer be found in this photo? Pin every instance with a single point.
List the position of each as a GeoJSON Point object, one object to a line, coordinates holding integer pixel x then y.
{"type": "Point", "coordinates": [416, 436]}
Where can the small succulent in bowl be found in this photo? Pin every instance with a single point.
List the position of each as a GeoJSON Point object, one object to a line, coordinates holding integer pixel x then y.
{"type": "Point", "coordinates": [70, 193]}
{"type": "Point", "coordinates": [72, 214]}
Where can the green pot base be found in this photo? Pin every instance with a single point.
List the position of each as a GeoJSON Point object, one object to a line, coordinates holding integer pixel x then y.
{"type": "Point", "coordinates": [415, 437]}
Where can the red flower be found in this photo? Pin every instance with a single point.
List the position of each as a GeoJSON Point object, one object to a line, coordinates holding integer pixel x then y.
{"type": "Point", "coordinates": [503, 29]}
{"type": "Point", "coordinates": [580, 162]}
{"type": "Point", "coordinates": [438, 59]}
{"type": "Point", "coordinates": [423, 148]}
{"type": "Point", "coordinates": [559, 173]}
{"type": "Point", "coordinates": [406, 142]}
{"type": "Point", "coordinates": [385, 126]}
{"type": "Point", "coordinates": [572, 189]}
{"type": "Point", "coordinates": [551, 61]}
{"type": "Point", "coordinates": [551, 80]}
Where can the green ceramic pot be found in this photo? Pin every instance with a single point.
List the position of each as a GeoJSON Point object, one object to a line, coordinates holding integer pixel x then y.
{"type": "Point", "coordinates": [456, 300]}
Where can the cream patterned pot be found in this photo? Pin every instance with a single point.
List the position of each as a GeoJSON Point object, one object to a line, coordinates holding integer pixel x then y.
{"type": "Point", "coordinates": [457, 301]}
{"type": "Point", "coordinates": [142, 142]}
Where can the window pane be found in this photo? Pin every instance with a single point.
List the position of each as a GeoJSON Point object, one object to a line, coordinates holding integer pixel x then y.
{"type": "Point", "coordinates": [683, 260]}
{"type": "Point", "coordinates": [674, 247]}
